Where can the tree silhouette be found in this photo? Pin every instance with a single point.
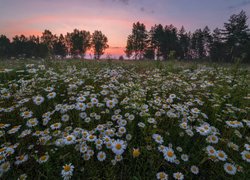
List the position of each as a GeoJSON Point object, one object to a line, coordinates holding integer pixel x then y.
{"type": "Point", "coordinates": [137, 41]}
{"type": "Point", "coordinates": [78, 42]}
{"type": "Point", "coordinates": [4, 46]}
{"type": "Point", "coordinates": [99, 44]}
{"type": "Point", "coordinates": [236, 35]}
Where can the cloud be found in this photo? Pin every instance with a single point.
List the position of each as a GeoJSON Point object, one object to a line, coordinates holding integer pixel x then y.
{"type": "Point", "coordinates": [240, 4]}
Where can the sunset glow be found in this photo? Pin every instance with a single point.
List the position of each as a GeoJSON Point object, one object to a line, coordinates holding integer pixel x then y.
{"type": "Point", "coordinates": [113, 17]}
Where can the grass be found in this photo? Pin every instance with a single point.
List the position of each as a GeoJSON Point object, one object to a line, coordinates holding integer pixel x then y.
{"type": "Point", "coordinates": [185, 104]}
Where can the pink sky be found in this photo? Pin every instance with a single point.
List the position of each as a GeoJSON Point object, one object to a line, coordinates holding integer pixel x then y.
{"type": "Point", "coordinates": [113, 17]}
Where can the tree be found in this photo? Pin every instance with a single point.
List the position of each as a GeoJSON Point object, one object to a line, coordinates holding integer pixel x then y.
{"type": "Point", "coordinates": [78, 42]}
{"type": "Point", "coordinates": [59, 47]}
{"type": "Point", "coordinates": [4, 46]}
{"type": "Point", "coordinates": [236, 35]}
{"type": "Point", "coordinates": [216, 46]}
{"type": "Point", "coordinates": [183, 44]}
{"type": "Point", "coordinates": [99, 44]}
{"type": "Point", "coordinates": [48, 39]}
{"type": "Point", "coordinates": [18, 46]}
{"type": "Point", "coordinates": [137, 41]}
{"type": "Point", "coordinates": [156, 37]}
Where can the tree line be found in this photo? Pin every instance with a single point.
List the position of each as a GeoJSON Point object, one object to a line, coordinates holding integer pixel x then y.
{"type": "Point", "coordinates": [160, 42]}
{"type": "Point", "coordinates": [167, 42]}
{"type": "Point", "coordinates": [76, 44]}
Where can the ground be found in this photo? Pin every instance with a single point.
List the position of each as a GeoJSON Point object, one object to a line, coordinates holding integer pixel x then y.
{"type": "Point", "coordinates": [124, 120]}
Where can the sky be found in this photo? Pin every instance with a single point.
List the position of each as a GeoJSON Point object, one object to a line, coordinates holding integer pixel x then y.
{"type": "Point", "coordinates": [113, 17]}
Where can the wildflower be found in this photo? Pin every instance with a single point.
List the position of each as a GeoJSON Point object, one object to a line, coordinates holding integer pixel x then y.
{"type": "Point", "coordinates": [67, 171]}
{"type": "Point", "coordinates": [221, 155]}
{"type": "Point", "coordinates": [51, 95]}
{"type": "Point", "coordinates": [194, 169]}
{"type": "Point", "coordinates": [5, 167]}
{"type": "Point", "coordinates": [70, 139]}
{"type": "Point", "coordinates": [136, 152]}
{"type": "Point", "coordinates": [158, 138]}
{"type": "Point", "coordinates": [246, 156]}
{"type": "Point", "coordinates": [110, 104]}
{"type": "Point", "coordinates": [27, 114]}
{"type": "Point", "coordinates": [162, 176]}
{"type": "Point", "coordinates": [21, 159]}
{"type": "Point", "coordinates": [38, 100]}
{"type": "Point", "coordinates": [43, 159]}
{"type": "Point", "coordinates": [101, 156]}
{"type": "Point", "coordinates": [178, 176]}
{"type": "Point", "coordinates": [230, 168]}
{"type": "Point", "coordinates": [169, 154]}
{"type": "Point", "coordinates": [118, 147]}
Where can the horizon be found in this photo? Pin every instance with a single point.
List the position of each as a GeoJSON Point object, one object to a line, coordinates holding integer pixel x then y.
{"type": "Point", "coordinates": [113, 17]}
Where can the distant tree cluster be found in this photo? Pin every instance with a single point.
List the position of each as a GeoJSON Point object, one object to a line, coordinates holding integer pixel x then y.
{"type": "Point", "coordinates": [221, 45]}
{"type": "Point", "coordinates": [75, 44]}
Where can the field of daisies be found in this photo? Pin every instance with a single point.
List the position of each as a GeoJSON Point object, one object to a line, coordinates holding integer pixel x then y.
{"type": "Point", "coordinates": [124, 120]}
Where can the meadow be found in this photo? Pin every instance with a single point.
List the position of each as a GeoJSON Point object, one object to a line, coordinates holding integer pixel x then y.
{"type": "Point", "coordinates": [124, 120]}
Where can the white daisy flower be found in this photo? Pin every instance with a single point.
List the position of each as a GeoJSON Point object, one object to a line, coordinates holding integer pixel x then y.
{"type": "Point", "coordinates": [118, 147]}
{"type": "Point", "coordinates": [246, 156]}
{"type": "Point", "coordinates": [178, 176]}
{"type": "Point", "coordinates": [67, 171]}
{"type": "Point", "coordinates": [101, 156]}
{"type": "Point", "coordinates": [162, 176]}
{"type": "Point", "coordinates": [230, 168]}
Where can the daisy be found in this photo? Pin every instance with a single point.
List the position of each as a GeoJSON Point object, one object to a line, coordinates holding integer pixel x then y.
{"type": "Point", "coordinates": [247, 146]}
{"type": "Point", "coordinates": [21, 159]}
{"type": "Point", "coordinates": [27, 114]}
{"type": "Point", "coordinates": [91, 138]}
{"type": "Point", "coordinates": [5, 167]}
{"type": "Point", "coordinates": [67, 171]}
{"type": "Point", "coordinates": [51, 95]}
{"type": "Point", "coordinates": [162, 176]}
{"type": "Point", "coordinates": [65, 118]}
{"type": "Point", "coordinates": [178, 176]}
{"type": "Point", "coordinates": [169, 154]}
{"type": "Point", "coordinates": [56, 126]}
{"type": "Point", "coordinates": [32, 122]}
{"type": "Point", "coordinates": [212, 139]}
{"type": "Point", "coordinates": [230, 168]}
{"type": "Point", "coordinates": [101, 156]}
{"type": "Point", "coordinates": [110, 104]}
{"type": "Point", "coordinates": [70, 139]}
{"type": "Point", "coordinates": [158, 138]}
{"type": "Point", "coordinates": [118, 158]}
{"type": "Point", "coordinates": [43, 159]}
{"type": "Point", "coordinates": [23, 177]}
{"type": "Point", "coordinates": [184, 157]}
{"type": "Point", "coordinates": [194, 169]}
{"type": "Point", "coordinates": [118, 147]}
{"type": "Point", "coordinates": [38, 100]}
{"type": "Point", "coordinates": [221, 155]}
{"type": "Point", "coordinates": [246, 156]}
{"type": "Point", "coordinates": [80, 106]}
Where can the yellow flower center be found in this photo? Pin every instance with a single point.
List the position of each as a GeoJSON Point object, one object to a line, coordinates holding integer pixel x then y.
{"type": "Point", "coordinates": [43, 158]}
{"type": "Point", "coordinates": [170, 154]}
{"type": "Point", "coordinates": [66, 168]}
{"type": "Point", "coordinates": [221, 155]}
{"type": "Point", "coordinates": [69, 138]}
{"type": "Point", "coordinates": [162, 176]}
{"type": "Point", "coordinates": [229, 168]}
{"type": "Point", "coordinates": [118, 146]}
{"type": "Point", "coordinates": [136, 152]}
{"type": "Point", "coordinates": [247, 156]}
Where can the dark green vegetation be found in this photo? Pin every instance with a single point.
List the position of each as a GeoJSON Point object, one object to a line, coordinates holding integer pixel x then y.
{"type": "Point", "coordinates": [188, 105]}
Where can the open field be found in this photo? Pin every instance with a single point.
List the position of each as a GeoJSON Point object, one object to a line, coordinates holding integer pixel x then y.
{"type": "Point", "coordinates": [124, 120]}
